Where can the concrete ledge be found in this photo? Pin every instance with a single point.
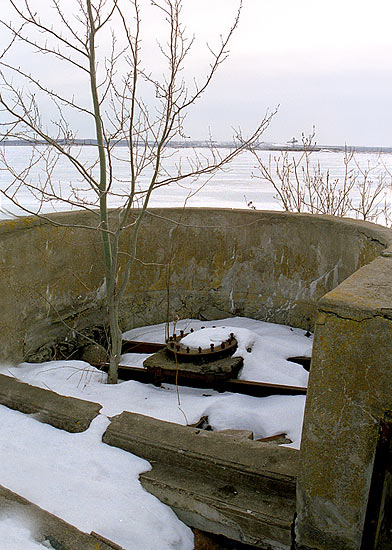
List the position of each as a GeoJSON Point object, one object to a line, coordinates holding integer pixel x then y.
{"type": "Point", "coordinates": [238, 512]}
{"type": "Point", "coordinates": [365, 294]}
{"type": "Point", "coordinates": [46, 526]}
{"type": "Point", "coordinates": [67, 413]}
{"type": "Point", "coordinates": [232, 460]}
{"type": "Point", "coordinates": [242, 489]}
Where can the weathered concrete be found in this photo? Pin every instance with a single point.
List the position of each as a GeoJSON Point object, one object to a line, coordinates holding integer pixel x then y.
{"type": "Point", "coordinates": [238, 511]}
{"type": "Point", "coordinates": [350, 391]}
{"type": "Point", "coordinates": [235, 461]}
{"type": "Point", "coordinates": [48, 527]}
{"type": "Point", "coordinates": [67, 413]}
{"type": "Point", "coordinates": [215, 482]}
{"type": "Point", "coordinates": [267, 265]}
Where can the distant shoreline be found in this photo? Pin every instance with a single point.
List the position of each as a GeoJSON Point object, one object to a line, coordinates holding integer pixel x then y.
{"type": "Point", "coordinates": [218, 144]}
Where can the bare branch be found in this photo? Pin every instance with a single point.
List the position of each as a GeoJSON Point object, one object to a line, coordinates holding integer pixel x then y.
{"type": "Point", "coordinates": [117, 84]}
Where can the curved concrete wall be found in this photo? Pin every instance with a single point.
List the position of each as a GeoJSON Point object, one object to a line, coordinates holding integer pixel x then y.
{"type": "Point", "coordinates": [204, 263]}
{"type": "Point", "coordinates": [208, 263]}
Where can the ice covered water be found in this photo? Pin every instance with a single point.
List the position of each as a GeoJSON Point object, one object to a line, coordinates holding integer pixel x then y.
{"type": "Point", "coordinates": [235, 187]}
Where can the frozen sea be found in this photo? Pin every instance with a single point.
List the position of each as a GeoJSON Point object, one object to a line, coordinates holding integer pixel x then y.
{"type": "Point", "coordinates": [234, 187]}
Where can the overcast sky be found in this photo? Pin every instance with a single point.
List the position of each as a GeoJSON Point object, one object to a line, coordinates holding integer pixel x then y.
{"type": "Point", "coordinates": [326, 63]}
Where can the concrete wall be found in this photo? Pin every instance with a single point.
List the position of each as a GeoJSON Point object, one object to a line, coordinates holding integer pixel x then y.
{"type": "Point", "coordinates": [267, 265]}
{"type": "Point", "coordinates": [350, 393]}
{"type": "Point", "coordinates": [288, 268]}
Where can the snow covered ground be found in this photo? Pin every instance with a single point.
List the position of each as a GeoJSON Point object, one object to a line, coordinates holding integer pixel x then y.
{"type": "Point", "coordinates": [95, 487]}
{"type": "Point", "coordinates": [87, 483]}
{"type": "Point", "coordinates": [15, 534]}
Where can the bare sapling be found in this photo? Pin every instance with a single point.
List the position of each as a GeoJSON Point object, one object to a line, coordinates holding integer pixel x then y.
{"type": "Point", "coordinates": [120, 101]}
{"type": "Point", "coordinates": [372, 204]}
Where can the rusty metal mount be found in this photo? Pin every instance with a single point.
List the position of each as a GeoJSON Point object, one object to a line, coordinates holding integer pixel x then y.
{"type": "Point", "coordinates": [256, 389]}
{"type": "Point", "coordinates": [185, 353]}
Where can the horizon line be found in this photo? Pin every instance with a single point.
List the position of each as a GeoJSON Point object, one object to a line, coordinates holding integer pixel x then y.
{"type": "Point", "coordinates": [191, 143]}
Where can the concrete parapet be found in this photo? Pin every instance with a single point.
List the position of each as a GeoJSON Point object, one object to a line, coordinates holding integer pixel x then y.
{"type": "Point", "coordinates": [296, 269]}
{"type": "Point", "coordinates": [270, 266]}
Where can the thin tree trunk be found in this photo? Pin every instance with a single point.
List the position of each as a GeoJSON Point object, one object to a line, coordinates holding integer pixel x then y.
{"type": "Point", "coordinates": [115, 340]}
{"type": "Point", "coordinates": [110, 255]}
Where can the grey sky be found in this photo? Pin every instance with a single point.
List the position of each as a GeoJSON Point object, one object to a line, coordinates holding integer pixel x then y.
{"type": "Point", "coordinates": [327, 64]}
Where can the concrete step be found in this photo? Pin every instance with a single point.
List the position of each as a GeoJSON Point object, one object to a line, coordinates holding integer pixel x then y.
{"type": "Point", "coordinates": [215, 482]}
{"type": "Point", "coordinates": [67, 413]}
{"type": "Point", "coordinates": [238, 512]}
{"type": "Point", "coordinates": [232, 460]}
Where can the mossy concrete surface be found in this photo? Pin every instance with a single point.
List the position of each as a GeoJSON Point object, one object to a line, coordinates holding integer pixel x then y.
{"type": "Point", "coordinates": [203, 263]}
{"type": "Point", "coordinates": [67, 413]}
{"type": "Point", "coordinates": [349, 393]}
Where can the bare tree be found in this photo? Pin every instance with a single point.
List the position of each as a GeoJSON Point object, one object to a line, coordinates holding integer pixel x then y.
{"type": "Point", "coordinates": [100, 42]}
{"type": "Point", "coordinates": [372, 191]}
{"type": "Point", "coordinates": [303, 186]}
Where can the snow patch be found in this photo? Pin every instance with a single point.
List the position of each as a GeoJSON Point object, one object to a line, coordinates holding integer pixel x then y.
{"type": "Point", "coordinates": [99, 484]}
